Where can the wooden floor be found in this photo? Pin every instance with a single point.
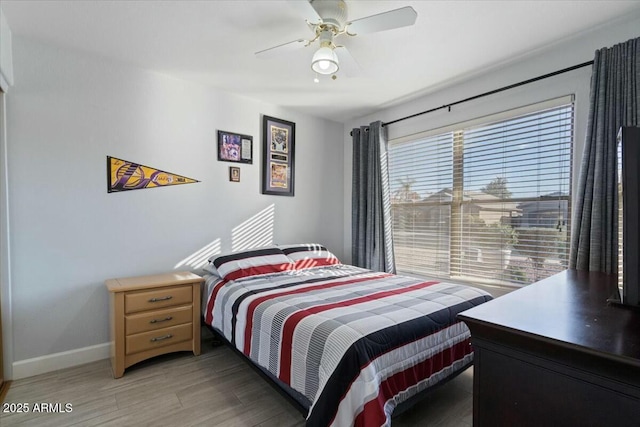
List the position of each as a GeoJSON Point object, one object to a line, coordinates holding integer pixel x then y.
{"type": "Point", "coordinates": [215, 389]}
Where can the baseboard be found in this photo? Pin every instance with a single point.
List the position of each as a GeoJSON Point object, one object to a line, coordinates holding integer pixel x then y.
{"type": "Point", "coordinates": [66, 359]}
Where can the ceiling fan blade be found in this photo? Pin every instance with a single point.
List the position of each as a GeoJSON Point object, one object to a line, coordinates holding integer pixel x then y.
{"type": "Point", "coordinates": [396, 18]}
{"type": "Point", "coordinates": [281, 49]}
{"type": "Point", "coordinates": [305, 9]}
{"type": "Point", "coordinates": [348, 64]}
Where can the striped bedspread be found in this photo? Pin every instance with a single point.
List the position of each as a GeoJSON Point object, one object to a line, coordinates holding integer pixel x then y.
{"type": "Point", "coordinates": [354, 342]}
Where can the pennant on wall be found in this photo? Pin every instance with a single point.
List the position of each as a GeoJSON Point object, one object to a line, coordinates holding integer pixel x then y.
{"type": "Point", "coordinates": [123, 175]}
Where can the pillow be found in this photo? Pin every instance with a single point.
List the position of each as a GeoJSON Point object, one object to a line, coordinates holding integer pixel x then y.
{"type": "Point", "coordinates": [255, 262]}
{"type": "Point", "coordinates": [211, 269]}
{"type": "Point", "coordinates": [308, 255]}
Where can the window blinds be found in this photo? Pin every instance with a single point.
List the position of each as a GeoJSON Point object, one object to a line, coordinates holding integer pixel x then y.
{"type": "Point", "coordinates": [421, 181]}
{"type": "Point", "coordinates": [620, 220]}
{"type": "Point", "coordinates": [486, 202]}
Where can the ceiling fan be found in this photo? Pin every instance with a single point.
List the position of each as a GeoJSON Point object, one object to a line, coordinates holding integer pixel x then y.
{"type": "Point", "coordinates": [328, 20]}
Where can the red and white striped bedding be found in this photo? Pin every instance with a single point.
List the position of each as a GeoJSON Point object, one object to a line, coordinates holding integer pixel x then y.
{"type": "Point", "coordinates": [355, 342]}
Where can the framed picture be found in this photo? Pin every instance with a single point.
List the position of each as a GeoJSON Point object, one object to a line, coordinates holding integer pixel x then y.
{"type": "Point", "coordinates": [278, 156]}
{"type": "Point", "coordinates": [234, 174]}
{"type": "Point", "coordinates": [234, 147]}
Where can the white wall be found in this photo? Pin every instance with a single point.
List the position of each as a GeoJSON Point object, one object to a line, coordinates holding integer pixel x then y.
{"type": "Point", "coordinates": [561, 55]}
{"type": "Point", "coordinates": [6, 56]}
{"type": "Point", "coordinates": [66, 113]}
{"type": "Point", "coordinates": [6, 79]}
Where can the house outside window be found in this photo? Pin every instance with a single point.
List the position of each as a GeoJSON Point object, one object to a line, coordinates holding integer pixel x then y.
{"type": "Point", "coordinates": [486, 201]}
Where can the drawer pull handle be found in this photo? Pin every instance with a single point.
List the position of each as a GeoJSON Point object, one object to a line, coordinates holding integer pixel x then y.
{"type": "Point", "coordinates": [168, 297]}
{"type": "Point", "coordinates": [165, 337]}
{"type": "Point", "coordinates": [161, 320]}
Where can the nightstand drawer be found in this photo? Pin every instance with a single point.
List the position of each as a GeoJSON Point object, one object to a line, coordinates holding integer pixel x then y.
{"type": "Point", "coordinates": [160, 338]}
{"type": "Point", "coordinates": [158, 319]}
{"type": "Point", "coordinates": [157, 298]}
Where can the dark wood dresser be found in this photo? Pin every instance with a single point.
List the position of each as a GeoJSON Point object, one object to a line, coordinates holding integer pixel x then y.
{"type": "Point", "coordinates": [556, 354]}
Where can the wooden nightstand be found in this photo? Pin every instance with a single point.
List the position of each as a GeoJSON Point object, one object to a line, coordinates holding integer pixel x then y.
{"type": "Point", "coordinates": [153, 315]}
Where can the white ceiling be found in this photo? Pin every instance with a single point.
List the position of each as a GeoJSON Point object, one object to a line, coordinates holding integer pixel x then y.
{"type": "Point", "coordinates": [213, 42]}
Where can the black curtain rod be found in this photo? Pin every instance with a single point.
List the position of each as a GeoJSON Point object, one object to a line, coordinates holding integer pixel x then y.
{"type": "Point", "coordinates": [535, 79]}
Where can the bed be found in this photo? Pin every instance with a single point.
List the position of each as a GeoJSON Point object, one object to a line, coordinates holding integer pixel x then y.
{"type": "Point", "coordinates": [348, 344]}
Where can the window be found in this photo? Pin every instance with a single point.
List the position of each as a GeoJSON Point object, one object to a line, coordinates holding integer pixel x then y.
{"type": "Point", "coordinates": [487, 201]}
{"type": "Point", "coordinates": [620, 219]}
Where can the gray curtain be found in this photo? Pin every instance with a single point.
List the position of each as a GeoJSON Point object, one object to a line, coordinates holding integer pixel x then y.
{"type": "Point", "coordinates": [371, 240]}
{"type": "Point", "coordinates": [615, 101]}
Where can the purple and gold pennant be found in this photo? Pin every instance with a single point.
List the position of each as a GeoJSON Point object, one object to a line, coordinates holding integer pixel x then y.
{"type": "Point", "coordinates": [123, 175]}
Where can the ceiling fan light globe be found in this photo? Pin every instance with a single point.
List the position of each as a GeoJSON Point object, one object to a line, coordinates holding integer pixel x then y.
{"type": "Point", "coordinates": [325, 61]}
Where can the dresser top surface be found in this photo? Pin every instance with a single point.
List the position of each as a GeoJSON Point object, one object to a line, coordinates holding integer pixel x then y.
{"type": "Point", "coordinates": [570, 307]}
